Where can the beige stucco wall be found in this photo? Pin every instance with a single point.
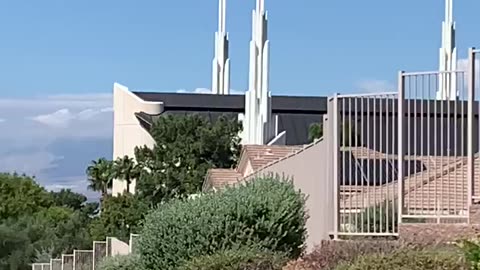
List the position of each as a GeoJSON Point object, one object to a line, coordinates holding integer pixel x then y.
{"type": "Point", "coordinates": [127, 131]}
{"type": "Point", "coordinates": [117, 247]}
{"type": "Point", "coordinates": [309, 172]}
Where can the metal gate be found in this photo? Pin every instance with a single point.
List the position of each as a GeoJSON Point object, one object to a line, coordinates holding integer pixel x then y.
{"type": "Point", "coordinates": [363, 143]}
{"type": "Point", "coordinates": [438, 124]}
{"type": "Point", "coordinates": [408, 156]}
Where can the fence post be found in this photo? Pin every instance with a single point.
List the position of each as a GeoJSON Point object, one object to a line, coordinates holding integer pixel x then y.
{"type": "Point", "coordinates": [400, 154]}
{"type": "Point", "coordinates": [336, 182]}
{"type": "Point", "coordinates": [470, 117]}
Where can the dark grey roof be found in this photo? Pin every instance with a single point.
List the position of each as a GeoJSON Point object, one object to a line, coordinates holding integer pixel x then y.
{"type": "Point", "coordinates": [210, 102]}
{"type": "Point", "coordinates": [412, 106]}
{"type": "Point", "coordinates": [295, 114]}
{"type": "Point", "coordinates": [296, 125]}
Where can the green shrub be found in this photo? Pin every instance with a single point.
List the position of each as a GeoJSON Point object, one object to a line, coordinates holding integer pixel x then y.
{"type": "Point", "coordinates": [409, 259]}
{"type": "Point", "coordinates": [237, 259]}
{"type": "Point", "coordinates": [471, 251]}
{"type": "Point", "coordinates": [266, 212]}
{"type": "Point", "coordinates": [121, 262]}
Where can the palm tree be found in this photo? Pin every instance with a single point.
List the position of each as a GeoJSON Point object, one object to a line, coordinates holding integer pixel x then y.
{"type": "Point", "coordinates": [100, 175]}
{"type": "Point", "coordinates": [126, 169]}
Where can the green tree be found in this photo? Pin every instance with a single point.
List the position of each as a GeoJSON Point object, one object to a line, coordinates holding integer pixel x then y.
{"type": "Point", "coordinates": [185, 148]}
{"type": "Point", "coordinates": [36, 222]}
{"type": "Point", "coordinates": [120, 216]}
{"type": "Point", "coordinates": [100, 175]}
{"type": "Point", "coordinates": [20, 195]}
{"type": "Point", "coordinates": [14, 245]}
{"type": "Point", "coordinates": [315, 131]}
{"type": "Point", "coordinates": [68, 198]}
{"type": "Point", "coordinates": [126, 169]}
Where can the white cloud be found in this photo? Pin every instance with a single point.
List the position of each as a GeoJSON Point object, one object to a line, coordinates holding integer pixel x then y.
{"type": "Point", "coordinates": [82, 115]}
{"type": "Point", "coordinates": [195, 91]}
{"type": "Point", "coordinates": [80, 101]}
{"type": "Point", "coordinates": [54, 137]}
{"type": "Point", "coordinates": [31, 163]}
{"type": "Point", "coordinates": [30, 138]}
{"type": "Point", "coordinates": [375, 86]}
{"type": "Point", "coordinates": [63, 118]}
{"type": "Point", "coordinates": [60, 118]}
{"type": "Point", "coordinates": [207, 91]}
{"type": "Point", "coordinates": [462, 65]}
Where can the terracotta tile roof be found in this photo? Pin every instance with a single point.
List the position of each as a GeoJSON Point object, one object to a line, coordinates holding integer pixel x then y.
{"type": "Point", "coordinates": [219, 178]}
{"type": "Point", "coordinates": [448, 191]}
{"type": "Point", "coordinates": [262, 155]}
{"type": "Point", "coordinates": [259, 156]}
{"type": "Point", "coordinates": [441, 187]}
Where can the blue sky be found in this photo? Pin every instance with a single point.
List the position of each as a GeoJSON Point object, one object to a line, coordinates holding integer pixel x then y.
{"type": "Point", "coordinates": [59, 60]}
{"type": "Point", "coordinates": [318, 47]}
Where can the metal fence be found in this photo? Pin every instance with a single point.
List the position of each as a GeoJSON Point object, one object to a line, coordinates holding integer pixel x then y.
{"type": "Point", "coordinates": [56, 264]}
{"type": "Point", "coordinates": [364, 136]}
{"type": "Point", "coordinates": [133, 243]}
{"type": "Point", "coordinates": [438, 124]}
{"type": "Point", "coordinates": [408, 156]}
{"type": "Point", "coordinates": [41, 266]}
{"type": "Point", "coordinates": [67, 262]}
{"type": "Point", "coordinates": [83, 260]}
{"type": "Point", "coordinates": [99, 252]}
{"type": "Point", "coordinates": [474, 81]}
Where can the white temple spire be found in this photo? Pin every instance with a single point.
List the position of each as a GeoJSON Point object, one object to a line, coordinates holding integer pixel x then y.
{"type": "Point", "coordinates": [447, 89]}
{"type": "Point", "coordinates": [221, 62]}
{"type": "Point", "coordinates": [258, 125]}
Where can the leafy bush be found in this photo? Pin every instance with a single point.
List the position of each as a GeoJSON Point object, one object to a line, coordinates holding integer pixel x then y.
{"type": "Point", "coordinates": [237, 259]}
{"type": "Point", "coordinates": [471, 251]}
{"type": "Point", "coordinates": [120, 216]}
{"type": "Point", "coordinates": [267, 212]}
{"type": "Point", "coordinates": [121, 262]}
{"type": "Point", "coordinates": [332, 253]}
{"type": "Point", "coordinates": [409, 259]}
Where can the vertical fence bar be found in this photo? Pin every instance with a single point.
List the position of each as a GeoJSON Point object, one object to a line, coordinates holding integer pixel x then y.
{"type": "Point", "coordinates": [471, 99]}
{"type": "Point", "coordinates": [401, 96]}
{"type": "Point", "coordinates": [336, 182]}
{"type": "Point", "coordinates": [353, 164]}
{"type": "Point", "coordinates": [462, 142]}
{"type": "Point", "coordinates": [343, 144]}
{"type": "Point", "coordinates": [374, 163]}
{"type": "Point", "coordinates": [436, 143]}
{"type": "Point", "coordinates": [369, 146]}
{"type": "Point", "coordinates": [351, 169]}
{"type": "Point", "coordinates": [387, 142]}
{"type": "Point", "coordinates": [407, 94]}
{"type": "Point", "coordinates": [394, 170]}
{"type": "Point", "coordinates": [412, 118]}
{"type": "Point", "coordinates": [362, 163]}
{"type": "Point", "coordinates": [423, 139]}
{"type": "Point", "coordinates": [381, 161]}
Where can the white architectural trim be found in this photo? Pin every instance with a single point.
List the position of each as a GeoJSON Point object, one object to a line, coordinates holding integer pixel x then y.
{"type": "Point", "coordinates": [258, 125]}
{"type": "Point", "coordinates": [123, 88]}
{"type": "Point", "coordinates": [280, 139]}
{"type": "Point", "coordinates": [447, 81]}
{"type": "Point", "coordinates": [221, 61]}
{"type": "Point", "coordinates": [127, 131]}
